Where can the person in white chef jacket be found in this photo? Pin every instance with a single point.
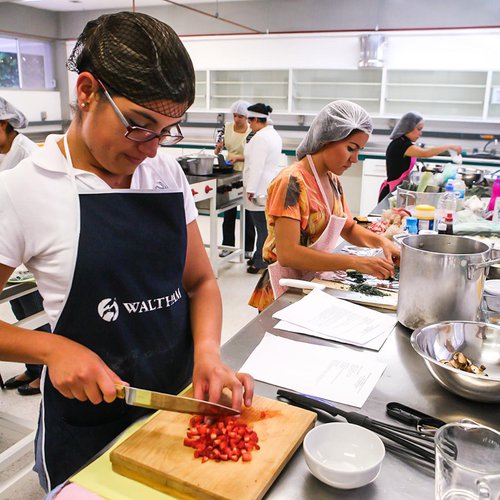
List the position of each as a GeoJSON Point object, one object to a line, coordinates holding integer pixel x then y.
{"type": "Point", "coordinates": [14, 146]}
{"type": "Point", "coordinates": [262, 164]}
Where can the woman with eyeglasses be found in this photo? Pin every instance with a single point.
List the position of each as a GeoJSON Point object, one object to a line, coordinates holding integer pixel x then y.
{"type": "Point", "coordinates": [108, 228]}
{"type": "Point", "coordinates": [307, 212]}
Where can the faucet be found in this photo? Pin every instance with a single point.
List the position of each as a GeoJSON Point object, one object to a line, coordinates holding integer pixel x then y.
{"type": "Point", "coordinates": [491, 139]}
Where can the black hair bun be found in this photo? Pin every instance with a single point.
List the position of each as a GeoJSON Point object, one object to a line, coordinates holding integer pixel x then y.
{"type": "Point", "coordinates": [260, 107]}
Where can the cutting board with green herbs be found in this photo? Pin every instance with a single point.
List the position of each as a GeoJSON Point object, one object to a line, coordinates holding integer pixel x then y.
{"type": "Point", "coordinates": [363, 294]}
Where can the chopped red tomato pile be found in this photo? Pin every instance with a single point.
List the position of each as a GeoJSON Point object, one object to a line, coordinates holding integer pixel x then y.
{"type": "Point", "coordinates": [226, 438]}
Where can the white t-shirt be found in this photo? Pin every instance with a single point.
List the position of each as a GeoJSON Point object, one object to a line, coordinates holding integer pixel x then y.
{"type": "Point", "coordinates": [262, 163]}
{"type": "Point", "coordinates": [39, 213]}
{"type": "Point", "coordinates": [20, 149]}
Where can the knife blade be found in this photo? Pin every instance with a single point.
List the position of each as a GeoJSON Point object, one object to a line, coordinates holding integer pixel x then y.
{"type": "Point", "coordinates": [161, 401]}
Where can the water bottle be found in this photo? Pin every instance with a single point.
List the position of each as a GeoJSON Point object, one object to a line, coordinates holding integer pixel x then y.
{"type": "Point", "coordinates": [447, 203]}
{"type": "Point", "coordinates": [495, 192]}
{"type": "Point", "coordinates": [459, 188]}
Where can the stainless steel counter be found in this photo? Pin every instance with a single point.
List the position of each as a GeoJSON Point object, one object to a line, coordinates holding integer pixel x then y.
{"type": "Point", "coordinates": [405, 380]}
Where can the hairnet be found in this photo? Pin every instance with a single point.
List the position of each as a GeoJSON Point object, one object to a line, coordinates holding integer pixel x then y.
{"type": "Point", "coordinates": [406, 124]}
{"type": "Point", "coordinates": [138, 57]}
{"type": "Point", "coordinates": [239, 107]}
{"type": "Point", "coordinates": [12, 115]}
{"type": "Point", "coordinates": [334, 123]}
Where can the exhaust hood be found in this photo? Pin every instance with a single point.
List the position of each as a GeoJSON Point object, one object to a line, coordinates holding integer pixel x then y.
{"type": "Point", "coordinates": [371, 51]}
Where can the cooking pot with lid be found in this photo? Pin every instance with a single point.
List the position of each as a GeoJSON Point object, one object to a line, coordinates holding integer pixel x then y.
{"type": "Point", "coordinates": [441, 278]}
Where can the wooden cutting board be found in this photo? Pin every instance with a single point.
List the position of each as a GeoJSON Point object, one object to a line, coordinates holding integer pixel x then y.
{"type": "Point", "coordinates": [390, 301]}
{"type": "Point", "coordinates": [155, 454]}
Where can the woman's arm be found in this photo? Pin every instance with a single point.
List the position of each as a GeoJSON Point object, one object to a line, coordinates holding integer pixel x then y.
{"type": "Point", "coordinates": [362, 237]}
{"type": "Point", "coordinates": [210, 375]}
{"type": "Point", "coordinates": [292, 254]}
{"type": "Point", "coordinates": [419, 152]}
{"type": "Point", "coordinates": [74, 370]}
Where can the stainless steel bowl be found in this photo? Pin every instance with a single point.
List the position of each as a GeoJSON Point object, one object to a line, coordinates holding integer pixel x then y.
{"type": "Point", "coordinates": [434, 168]}
{"type": "Point", "coordinates": [480, 342]}
{"type": "Point", "coordinates": [471, 176]}
{"type": "Point", "coordinates": [260, 200]}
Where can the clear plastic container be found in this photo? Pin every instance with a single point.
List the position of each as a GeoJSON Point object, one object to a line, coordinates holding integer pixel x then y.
{"type": "Point", "coordinates": [447, 203]}
{"type": "Point", "coordinates": [459, 188]}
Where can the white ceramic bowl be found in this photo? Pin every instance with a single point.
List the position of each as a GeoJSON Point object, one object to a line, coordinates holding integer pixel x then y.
{"type": "Point", "coordinates": [492, 295]}
{"type": "Point", "coordinates": [343, 455]}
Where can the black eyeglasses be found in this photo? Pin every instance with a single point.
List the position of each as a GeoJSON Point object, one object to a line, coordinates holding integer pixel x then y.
{"type": "Point", "coordinates": [140, 134]}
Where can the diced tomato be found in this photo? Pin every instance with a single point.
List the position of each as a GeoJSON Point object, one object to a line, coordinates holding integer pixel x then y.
{"type": "Point", "coordinates": [221, 439]}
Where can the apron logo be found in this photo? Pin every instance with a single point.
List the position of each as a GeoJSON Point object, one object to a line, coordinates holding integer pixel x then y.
{"type": "Point", "coordinates": [108, 309]}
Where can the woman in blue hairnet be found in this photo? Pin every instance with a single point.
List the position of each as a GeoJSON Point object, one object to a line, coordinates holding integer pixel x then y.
{"type": "Point", "coordinates": [402, 153]}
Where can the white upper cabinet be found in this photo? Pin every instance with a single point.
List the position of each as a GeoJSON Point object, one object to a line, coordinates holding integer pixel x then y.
{"type": "Point", "coordinates": [444, 76]}
{"type": "Point", "coordinates": [313, 88]}
{"type": "Point", "coordinates": [267, 86]}
{"type": "Point", "coordinates": [441, 94]}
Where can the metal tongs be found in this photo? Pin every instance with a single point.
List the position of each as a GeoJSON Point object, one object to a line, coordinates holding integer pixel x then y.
{"type": "Point", "coordinates": [409, 442]}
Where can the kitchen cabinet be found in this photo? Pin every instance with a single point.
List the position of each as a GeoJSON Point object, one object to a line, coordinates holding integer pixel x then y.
{"type": "Point", "coordinates": [313, 88]}
{"type": "Point", "coordinates": [268, 86]}
{"type": "Point", "coordinates": [436, 93]}
{"type": "Point", "coordinates": [201, 93]}
{"type": "Point", "coordinates": [374, 174]}
{"type": "Point", "coordinates": [494, 96]}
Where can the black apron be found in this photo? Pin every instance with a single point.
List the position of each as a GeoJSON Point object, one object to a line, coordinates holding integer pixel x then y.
{"type": "Point", "coordinates": [128, 305]}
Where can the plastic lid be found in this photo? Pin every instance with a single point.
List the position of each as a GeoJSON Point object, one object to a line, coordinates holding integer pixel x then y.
{"type": "Point", "coordinates": [449, 186]}
{"type": "Point", "coordinates": [424, 209]}
{"type": "Point", "coordinates": [411, 221]}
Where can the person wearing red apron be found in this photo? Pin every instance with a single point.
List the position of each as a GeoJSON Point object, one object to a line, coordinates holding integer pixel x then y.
{"type": "Point", "coordinates": [108, 228]}
{"type": "Point", "coordinates": [402, 153]}
{"type": "Point", "coordinates": [307, 212]}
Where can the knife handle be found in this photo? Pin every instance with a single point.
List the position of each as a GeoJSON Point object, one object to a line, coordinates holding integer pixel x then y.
{"type": "Point", "coordinates": [120, 391]}
{"type": "Point", "coordinates": [300, 284]}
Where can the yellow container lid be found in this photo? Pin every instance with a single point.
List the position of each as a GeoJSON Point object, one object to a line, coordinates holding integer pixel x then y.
{"type": "Point", "coordinates": [424, 211]}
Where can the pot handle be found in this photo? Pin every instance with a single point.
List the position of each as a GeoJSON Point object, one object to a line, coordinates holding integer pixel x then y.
{"type": "Point", "coordinates": [472, 268]}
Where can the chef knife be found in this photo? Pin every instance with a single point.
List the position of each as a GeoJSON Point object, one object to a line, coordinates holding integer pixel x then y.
{"type": "Point", "coordinates": [160, 401]}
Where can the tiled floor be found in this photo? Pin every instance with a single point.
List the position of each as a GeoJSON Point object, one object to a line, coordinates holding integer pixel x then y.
{"type": "Point", "coordinates": [236, 286]}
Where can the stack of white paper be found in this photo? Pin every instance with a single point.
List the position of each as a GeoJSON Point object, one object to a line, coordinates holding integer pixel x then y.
{"type": "Point", "coordinates": [333, 373]}
{"type": "Point", "coordinates": [322, 315]}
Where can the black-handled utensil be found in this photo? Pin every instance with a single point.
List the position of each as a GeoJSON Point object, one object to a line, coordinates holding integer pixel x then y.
{"type": "Point", "coordinates": [418, 444]}
{"type": "Point", "coordinates": [423, 423]}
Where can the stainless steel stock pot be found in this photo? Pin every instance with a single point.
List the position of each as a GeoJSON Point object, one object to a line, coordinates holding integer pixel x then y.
{"type": "Point", "coordinates": [441, 278]}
